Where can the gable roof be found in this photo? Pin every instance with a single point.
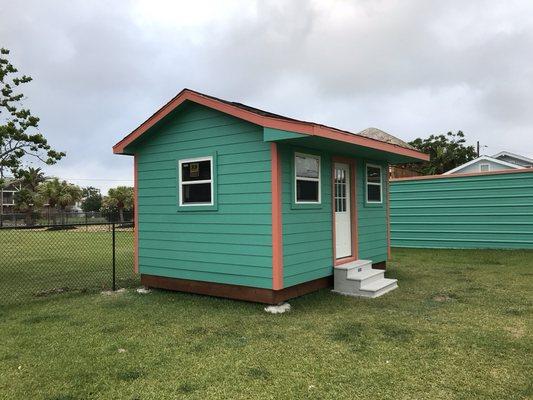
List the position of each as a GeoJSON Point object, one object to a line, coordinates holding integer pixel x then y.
{"type": "Point", "coordinates": [275, 121]}
{"type": "Point", "coordinates": [513, 155]}
{"type": "Point", "coordinates": [482, 158]}
{"type": "Point", "coordinates": [378, 134]}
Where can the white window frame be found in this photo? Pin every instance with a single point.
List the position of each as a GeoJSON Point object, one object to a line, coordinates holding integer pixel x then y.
{"type": "Point", "coordinates": [181, 183]}
{"type": "Point", "coordinates": [380, 184]}
{"type": "Point", "coordinates": [482, 165]}
{"type": "Point", "coordinates": [296, 179]}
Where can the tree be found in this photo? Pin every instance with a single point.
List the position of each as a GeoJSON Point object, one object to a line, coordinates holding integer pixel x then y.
{"type": "Point", "coordinates": [446, 152]}
{"type": "Point", "coordinates": [59, 194]}
{"type": "Point", "coordinates": [92, 199]}
{"type": "Point", "coordinates": [119, 198]}
{"type": "Point", "coordinates": [19, 136]}
{"type": "Point", "coordinates": [27, 198]}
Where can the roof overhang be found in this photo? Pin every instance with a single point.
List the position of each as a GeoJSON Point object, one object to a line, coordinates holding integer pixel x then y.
{"type": "Point", "coordinates": [281, 124]}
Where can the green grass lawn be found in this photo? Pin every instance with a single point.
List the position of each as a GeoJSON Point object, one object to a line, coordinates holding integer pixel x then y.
{"type": "Point", "coordinates": [36, 261]}
{"type": "Point", "coordinates": [458, 327]}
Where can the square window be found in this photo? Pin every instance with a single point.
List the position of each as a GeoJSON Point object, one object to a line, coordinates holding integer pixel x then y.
{"type": "Point", "coordinates": [307, 178]}
{"type": "Point", "coordinates": [196, 181]}
{"type": "Point", "coordinates": [374, 184]}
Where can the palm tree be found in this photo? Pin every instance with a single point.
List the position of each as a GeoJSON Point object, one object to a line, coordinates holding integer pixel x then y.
{"type": "Point", "coordinates": [60, 194]}
{"type": "Point", "coordinates": [120, 197]}
{"type": "Point", "coordinates": [27, 198]}
{"type": "Point", "coordinates": [31, 178]}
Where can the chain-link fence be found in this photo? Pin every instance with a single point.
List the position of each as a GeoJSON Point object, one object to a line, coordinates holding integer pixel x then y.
{"type": "Point", "coordinates": [44, 260]}
{"type": "Point", "coordinates": [52, 216]}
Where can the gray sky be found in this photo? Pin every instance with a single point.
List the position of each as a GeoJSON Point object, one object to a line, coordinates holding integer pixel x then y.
{"type": "Point", "coordinates": [411, 68]}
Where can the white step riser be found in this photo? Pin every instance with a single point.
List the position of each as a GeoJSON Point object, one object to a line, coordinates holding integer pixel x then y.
{"type": "Point", "coordinates": [366, 281]}
{"type": "Point", "coordinates": [351, 280]}
{"type": "Point", "coordinates": [373, 294]}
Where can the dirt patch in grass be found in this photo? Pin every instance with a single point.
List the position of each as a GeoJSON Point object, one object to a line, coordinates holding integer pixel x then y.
{"type": "Point", "coordinates": [516, 331]}
{"type": "Point", "coordinates": [442, 298]}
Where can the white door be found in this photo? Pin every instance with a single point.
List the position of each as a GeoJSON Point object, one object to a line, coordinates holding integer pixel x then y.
{"type": "Point", "coordinates": [343, 218]}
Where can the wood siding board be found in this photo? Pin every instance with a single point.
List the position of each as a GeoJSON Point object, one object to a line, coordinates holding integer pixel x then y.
{"type": "Point", "coordinates": [471, 211]}
{"type": "Point", "coordinates": [307, 233]}
{"type": "Point", "coordinates": [206, 245]}
{"type": "Point", "coordinates": [372, 220]}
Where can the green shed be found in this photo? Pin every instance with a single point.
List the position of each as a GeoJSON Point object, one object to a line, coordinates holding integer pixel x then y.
{"type": "Point", "coordinates": [480, 210]}
{"type": "Point", "coordinates": [237, 202]}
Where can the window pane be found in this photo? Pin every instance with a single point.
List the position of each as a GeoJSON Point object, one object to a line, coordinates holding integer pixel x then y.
{"type": "Point", "coordinates": [199, 193]}
{"type": "Point", "coordinates": [374, 193]}
{"type": "Point", "coordinates": [484, 167]}
{"type": "Point", "coordinates": [196, 171]}
{"type": "Point", "coordinates": [373, 174]}
{"type": "Point", "coordinates": [306, 167]}
{"type": "Point", "coordinates": [306, 191]}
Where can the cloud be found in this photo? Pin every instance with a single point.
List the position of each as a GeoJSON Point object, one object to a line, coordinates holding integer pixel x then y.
{"type": "Point", "coordinates": [409, 67]}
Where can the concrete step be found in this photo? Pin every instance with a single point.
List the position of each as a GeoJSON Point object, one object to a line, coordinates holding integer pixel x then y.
{"type": "Point", "coordinates": [365, 276]}
{"type": "Point", "coordinates": [358, 278]}
{"type": "Point", "coordinates": [378, 288]}
{"type": "Point", "coordinates": [357, 264]}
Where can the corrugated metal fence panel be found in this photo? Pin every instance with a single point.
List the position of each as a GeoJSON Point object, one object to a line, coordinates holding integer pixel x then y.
{"type": "Point", "coordinates": [473, 211]}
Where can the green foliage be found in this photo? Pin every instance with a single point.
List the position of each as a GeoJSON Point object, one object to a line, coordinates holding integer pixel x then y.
{"type": "Point", "coordinates": [447, 152]}
{"type": "Point", "coordinates": [59, 193]}
{"type": "Point", "coordinates": [30, 178]}
{"type": "Point", "coordinates": [118, 199]}
{"type": "Point", "coordinates": [27, 198]}
{"type": "Point", "coordinates": [92, 199]}
{"type": "Point", "coordinates": [19, 136]}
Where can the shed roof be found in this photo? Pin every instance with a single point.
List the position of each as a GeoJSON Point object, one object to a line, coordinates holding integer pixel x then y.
{"type": "Point", "coordinates": [371, 137]}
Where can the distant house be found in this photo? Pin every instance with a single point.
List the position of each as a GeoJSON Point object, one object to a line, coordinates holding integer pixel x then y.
{"type": "Point", "coordinates": [514, 159]}
{"type": "Point", "coordinates": [11, 187]}
{"type": "Point", "coordinates": [238, 202]}
{"type": "Point", "coordinates": [499, 162]}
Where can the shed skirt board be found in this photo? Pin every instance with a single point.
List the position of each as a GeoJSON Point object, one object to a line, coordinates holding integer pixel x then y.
{"type": "Point", "coordinates": [237, 292]}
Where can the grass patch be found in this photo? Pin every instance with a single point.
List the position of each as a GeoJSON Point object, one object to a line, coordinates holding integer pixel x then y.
{"type": "Point", "coordinates": [39, 263]}
{"type": "Point", "coordinates": [458, 327]}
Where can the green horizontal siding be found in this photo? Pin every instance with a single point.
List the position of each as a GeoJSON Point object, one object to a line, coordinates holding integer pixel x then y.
{"type": "Point", "coordinates": [371, 219]}
{"type": "Point", "coordinates": [307, 233]}
{"type": "Point", "coordinates": [229, 245]}
{"type": "Point", "coordinates": [482, 211]}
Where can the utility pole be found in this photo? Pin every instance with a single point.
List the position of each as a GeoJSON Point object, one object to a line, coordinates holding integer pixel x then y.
{"type": "Point", "coordinates": [478, 148]}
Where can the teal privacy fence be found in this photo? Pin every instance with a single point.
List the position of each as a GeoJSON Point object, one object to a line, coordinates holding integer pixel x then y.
{"type": "Point", "coordinates": [490, 210]}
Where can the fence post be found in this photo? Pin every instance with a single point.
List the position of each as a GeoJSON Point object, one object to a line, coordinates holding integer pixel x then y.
{"type": "Point", "coordinates": [113, 235]}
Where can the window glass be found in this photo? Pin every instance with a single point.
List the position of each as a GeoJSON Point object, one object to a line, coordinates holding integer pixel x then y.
{"type": "Point", "coordinates": [196, 184]}
{"type": "Point", "coordinates": [484, 167]}
{"type": "Point", "coordinates": [307, 191]}
{"type": "Point", "coordinates": [196, 171]}
{"type": "Point", "coordinates": [199, 193]}
{"type": "Point", "coordinates": [373, 184]}
{"type": "Point", "coordinates": [373, 174]}
{"type": "Point", "coordinates": [374, 193]}
{"type": "Point", "coordinates": [307, 178]}
{"type": "Point", "coordinates": [307, 167]}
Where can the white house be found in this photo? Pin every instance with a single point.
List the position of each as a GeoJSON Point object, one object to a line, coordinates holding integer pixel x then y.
{"type": "Point", "coordinates": [499, 162]}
